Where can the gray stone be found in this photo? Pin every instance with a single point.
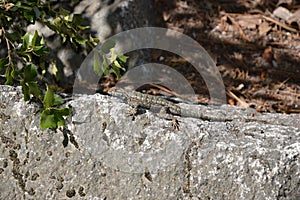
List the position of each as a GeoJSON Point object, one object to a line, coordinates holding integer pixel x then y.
{"type": "Point", "coordinates": [109, 17]}
{"type": "Point", "coordinates": [104, 154]}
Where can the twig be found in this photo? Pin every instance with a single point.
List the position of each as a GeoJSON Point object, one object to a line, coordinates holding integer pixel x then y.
{"type": "Point", "coordinates": [243, 103]}
{"type": "Point", "coordinates": [280, 24]}
{"type": "Point", "coordinates": [8, 48]}
{"type": "Point", "coordinates": [164, 89]}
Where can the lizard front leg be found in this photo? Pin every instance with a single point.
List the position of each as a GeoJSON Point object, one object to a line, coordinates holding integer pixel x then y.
{"type": "Point", "coordinates": [134, 108]}
{"type": "Point", "coordinates": [165, 113]}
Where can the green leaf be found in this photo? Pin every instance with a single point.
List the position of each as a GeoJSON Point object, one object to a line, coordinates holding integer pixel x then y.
{"type": "Point", "coordinates": [83, 27]}
{"type": "Point", "coordinates": [77, 19]}
{"type": "Point", "coordinates": [81, 40]}
{"type": "Point", "coordinates": [48, 98]}
{"type": "Point", "coordinates": [40, 50]}
{"type": "Point", "coordinates": [63, 11]}
{"type": "Point", "coordinates": [117, 64]}
{"type": "Point", "coordinates": [95, 41]}
{"type": "Point", "coordinates": [9, 75]}
{"type": "Point", "coordinates": [53, 117]}
{"type": "Point", "coordinates": [42, 42]}
{"type": "Point", "coordinates": [57, 22]}
{"type": "Point", "coordinates": [25, 91]}
{"type": "Point", "coordinates": [8, 18]}
{"type": "Point", "coordinates": [22, 6]}
{"type": "Point", "coordinates": [59, 113]}
{"type": "Point", "coordinates": [123, 58]}
{"type": "Point", "coordinates": [27, 38]}
{"type": "Point", "coordinates": [29, 16]}
{"type": "Point", "coordinates": [14, 36]}
{"type": "Point", "coordinates": [64, 38]}
{"type": "Point", "coordinates": [37, 12]}
{"type": "Point", "coordinates": [67, 25]}
{"type": "Point", "coordinates": [60, 121]}
{"type": "Point", "coordinates": [97, 65]}
{"type": "Point", "coordinates": [107, 45]}
{"type": "Point", "coordinates": [116, 70]}
{"type": "Point", "coordinates": [35, 40]}
{"type": "Point", "coordinates": [3, 62]}
{"type": "Point", "coordinates": [30, 72]}
{"type": "Point", "coordinates": [30, 88]}
{"type": "Point", "coordinates": [105, 65]}
{"type": "Point", "coordinates": [34, 89]}
{"type": "Point", "coordinates": [57, 100]}
{"type": "Point", "coordinates": [47, 120]}
{"type": "Point", "coordinates": [62, 111]}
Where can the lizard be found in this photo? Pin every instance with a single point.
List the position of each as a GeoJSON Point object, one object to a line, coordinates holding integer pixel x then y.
{"type": "Point", "coordinates": [167, 108]}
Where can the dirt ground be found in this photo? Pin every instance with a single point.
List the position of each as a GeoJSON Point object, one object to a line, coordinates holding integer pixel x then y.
{"type": "Point", "coordinates": [255, 45]}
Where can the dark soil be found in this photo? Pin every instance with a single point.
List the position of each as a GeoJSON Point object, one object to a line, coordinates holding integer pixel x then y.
{"type": "Point", "coordinates": [257, 53]}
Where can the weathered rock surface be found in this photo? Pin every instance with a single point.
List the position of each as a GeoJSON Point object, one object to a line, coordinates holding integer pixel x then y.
{"type": "Point", "coordinates": [103, 154]}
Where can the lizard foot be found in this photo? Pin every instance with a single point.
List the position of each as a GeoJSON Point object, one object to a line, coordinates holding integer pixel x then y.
{"type": "Point", "coordinates": [132, 112]}
{"type": "Point", "coordinates": [175, 124]}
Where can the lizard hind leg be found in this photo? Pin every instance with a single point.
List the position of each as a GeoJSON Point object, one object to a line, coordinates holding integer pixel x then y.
{"type": "Point", "coordinates": [133, 111]}
{"type": "Point", "coordinates": [165, 113]}
{"type": "Point", "coordinates": [135, 108]}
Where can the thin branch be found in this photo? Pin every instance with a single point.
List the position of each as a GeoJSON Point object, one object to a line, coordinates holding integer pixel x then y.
{"type": "Point", "coordinates": [8, 48]}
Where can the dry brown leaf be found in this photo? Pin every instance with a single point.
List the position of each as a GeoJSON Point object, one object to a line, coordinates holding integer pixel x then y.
{"type": "Point", "coordinates": [249, 21]}
{"type": "Point", "coordinates": [263, 74]}
{"type": "Point", "coordinates": [231, 101]}
{"type": "Point", "coordinates": [268, 54]}
{"type": "Point", "coordinates": [8, 6]}
{"type": "Point", "coordinates": [166, 16]}
{"type": "Point", "coordinates": [264, 28]}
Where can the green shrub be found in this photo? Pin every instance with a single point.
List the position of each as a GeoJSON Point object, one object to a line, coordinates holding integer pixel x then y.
{"type": "Point", "coordinates": [26, 61]}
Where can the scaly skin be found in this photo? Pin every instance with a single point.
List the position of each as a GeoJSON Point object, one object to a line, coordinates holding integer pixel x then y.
{"type": "Point", "coordinates": [169, 109]}
{"type": "Point", "coordinates": [137, 99]}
